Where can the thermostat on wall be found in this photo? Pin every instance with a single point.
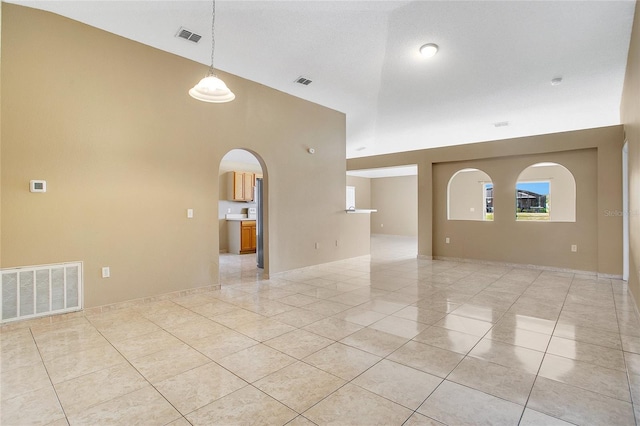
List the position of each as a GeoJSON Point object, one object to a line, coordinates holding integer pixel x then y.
{"type": "Point", "coordinates": [38, 186]}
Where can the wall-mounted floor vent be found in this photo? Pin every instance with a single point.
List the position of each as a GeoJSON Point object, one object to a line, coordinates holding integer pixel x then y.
{"type": "Point", "coordinates": [36, 291]}
{"type": "Point", "coordinates": [302, 80]}
{"type": "Point", "coordinates": [188, 35]}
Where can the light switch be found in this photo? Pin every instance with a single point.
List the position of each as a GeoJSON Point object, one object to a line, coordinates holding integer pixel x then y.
{"type": "Point", "coordinates": [190, 213]}
{"type": "Point", "coordinates": [106, 272]}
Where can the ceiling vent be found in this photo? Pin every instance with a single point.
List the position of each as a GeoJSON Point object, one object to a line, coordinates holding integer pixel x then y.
{"type": "Point", "coordinates": [303, 81]}
{"type": "Point", "coordinates": [501, 124]}
{"type": "Point", "coordinates": [188, 35]}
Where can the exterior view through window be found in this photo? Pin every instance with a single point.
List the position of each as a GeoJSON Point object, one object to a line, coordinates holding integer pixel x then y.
{"type": "Point", "coordinates": [545, 192]}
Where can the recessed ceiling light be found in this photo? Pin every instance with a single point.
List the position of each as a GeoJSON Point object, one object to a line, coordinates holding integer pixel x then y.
{"type": "Point", "coordinates": [429, 50]}
{"type": "Point", "coordinates": [556, 81]}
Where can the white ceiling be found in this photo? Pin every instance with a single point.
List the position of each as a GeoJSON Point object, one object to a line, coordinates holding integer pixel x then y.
{"type": "Point", "coordinates": [495, 64]}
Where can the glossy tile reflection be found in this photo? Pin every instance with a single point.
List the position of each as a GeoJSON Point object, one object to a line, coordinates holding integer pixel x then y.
{"type": "Point", "coordinates": [382, 339]}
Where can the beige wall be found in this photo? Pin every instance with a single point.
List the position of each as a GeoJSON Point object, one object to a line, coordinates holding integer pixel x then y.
{"type": "Point", "coordinates": [593, 156]}
{"type": "Point", "coordinates": [396, 199]}
{"type": "Point", "coordinates": [125, 151]}
{"type": "Point", "coordinates": [363, 191]}
{"type": "Point", "coordinates": [466, 195]}
{"type": "Point", "coordinates": [630, 115]}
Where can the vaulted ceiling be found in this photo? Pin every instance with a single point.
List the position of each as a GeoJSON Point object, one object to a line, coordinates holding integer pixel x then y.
{"type": "Point", "coordinates": [495, 64]}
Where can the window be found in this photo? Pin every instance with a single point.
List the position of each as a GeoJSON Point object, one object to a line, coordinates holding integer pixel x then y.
{"type": "Point", "coordinates": [546, 192]}
{"type": "Point", "coordinates": [470, 196]}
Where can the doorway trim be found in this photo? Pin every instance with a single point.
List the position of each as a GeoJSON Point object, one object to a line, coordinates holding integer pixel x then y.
{"type": "Point", "coordinates": [265, 201]}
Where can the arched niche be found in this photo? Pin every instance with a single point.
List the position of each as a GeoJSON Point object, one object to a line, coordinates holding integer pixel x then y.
{"type": "Point", "coordinates": [545, 192]}
{"type": "Point", "coordinates": [470, 196]}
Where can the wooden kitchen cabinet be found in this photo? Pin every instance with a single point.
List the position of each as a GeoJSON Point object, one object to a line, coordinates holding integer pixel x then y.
{"type": "Point", "coordinates": [241, 186]}
{"type": "Point", "coordinates": [242, 236]}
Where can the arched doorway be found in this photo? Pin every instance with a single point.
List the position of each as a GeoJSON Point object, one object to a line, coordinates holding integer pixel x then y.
{"type": "Point", "coordinates": [242, 217]}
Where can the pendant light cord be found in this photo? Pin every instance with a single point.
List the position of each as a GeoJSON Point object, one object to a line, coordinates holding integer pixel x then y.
{"type": "Point", "coordinates": [213, 36]}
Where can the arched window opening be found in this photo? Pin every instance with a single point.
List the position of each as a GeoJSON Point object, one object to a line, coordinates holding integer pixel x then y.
{"type": "Point", "coordinates": [546, 192]}
{"type": "Point", "coordinates": [470, 196]}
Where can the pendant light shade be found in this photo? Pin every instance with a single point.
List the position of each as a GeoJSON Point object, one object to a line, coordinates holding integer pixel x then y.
{"type": "Point", "coordinates": [211, 88]}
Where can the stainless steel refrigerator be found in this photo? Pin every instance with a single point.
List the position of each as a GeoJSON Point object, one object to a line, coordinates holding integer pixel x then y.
{"type": "Point", "coordinates": [259, 223]}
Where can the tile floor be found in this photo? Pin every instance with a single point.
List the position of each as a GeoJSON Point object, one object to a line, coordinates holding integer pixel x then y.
{"type": "Point", "coordinates": [387, 339]}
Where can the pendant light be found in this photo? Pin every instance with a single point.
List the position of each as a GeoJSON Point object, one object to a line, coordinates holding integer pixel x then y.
{"type": "Point", "coordinates": [211, 88]}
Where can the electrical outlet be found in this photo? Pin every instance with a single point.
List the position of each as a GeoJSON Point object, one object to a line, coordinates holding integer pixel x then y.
{"type": "Point", "coordinates": [190, 213]}
{"type": "Point", "coordinates": [229, 210]}
{"type": "Point", "coordinates": [574, 248]}
{"type": "Point", "coordinates": [106, 272]}
{"type": "Point", "coordinates": [382, 225]}
{"type": "Point", "coordinates": [447, 240]}
{"type": "Point", "coordinates": [337, 243]}
{"type": "Point", "coordinates": [472, 209]}
{"type": "Point", "coordinates": [317, 245]}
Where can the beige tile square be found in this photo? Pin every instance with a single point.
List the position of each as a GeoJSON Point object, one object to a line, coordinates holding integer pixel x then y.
{"type": "Point", "coordinates": [591, 377]}
{"type": "Point", "coordinates": [147, 344]}
{"type": "Point", "coordinates": [77, 364]}
{"type": "Point", "coordinates": [401, 384]}
{"type": "Point", "coordinates": [256, 362]}
{"type": "Point", "coordinates": [333, 328]}
{"type": "Point", "coordinates": [454, 404]}
{"type": "Point", "coordinates": [479, 312]}
{"type": "Point", "coordinates": [327, 307]}
{"type": "Point", "coordinates": [299, 343]}
{"type": "Point", "coordinates": [506, 333]}
{"type": "Point", "coordinates": [198, 387]}
{"type": "Point", "coordinates": [399, 327]}
{"type": "Point", "coordinates": [22, 380]}
{"type": "Point", "coordinates": [213, 308]}
{"type": "Point", "coordinates": [122, 330]}
{"type": "Point", "coordinates": [374, 341]}
{"type": "Point", "coordinates": [535, 418]}
{"type": "Point", "coordinates": [298, 317]}
{"type": "Point", "coordinates": [237, 317]}
{"type": "Point", "coordinates": [95, 388]}
{"type": "Point", "coordinates": [422, 315]}
{"type": "Point", "coordinates": [577, 405]}
{"type": "Point", "coordinates": [342, 360]}
{"type": "Point", "coordinates": [586, 352]}
{"type": "Point", "coordinates": [464, 325]}
{"type": "Point", "coordinates": [384, 306]}
{"type": "Point", "coordinates": [429, 359]}
{"type": "Point", "coordinates": [588, 335]}
{"type": "Point", "coordinates": [144, 406]}
{"type": "Point", "coordinates": [352, 405]}
{"type": "Point", "coordinates": [169, 362]}
{"type": "Point", "coordinates": [220, 345]}
{"type": "Point", "coordinates": [263, 329]}
{"type": "Point", "coordinates": [450, 340]}
{"type": "Point", "coordinates": [360, 316]}
{"type": "Point", "coordinates": [192, 331]}
{"type": "Point", "coordinates": [298, 300]}
{"type": "Point", "coordinates": [508, 355]}
{"type": "Point", "coordinates": [299, 385]}
{"type": "Point", "coordinates": [418, 419]}
{"type": "Point", "coordinates": [39, 407]}
{"type": "Point", "coordinates": [244, 406]}
{"type": "Point", "coordinates": [494, 379]}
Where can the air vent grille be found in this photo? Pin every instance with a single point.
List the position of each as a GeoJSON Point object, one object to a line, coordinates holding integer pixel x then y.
{"type": "Point", "coordinates": [302, 80]}
{"type": "Point", "coordinates": [501, 124]}
{"type": "Point", "coordinates": [188, 35]}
